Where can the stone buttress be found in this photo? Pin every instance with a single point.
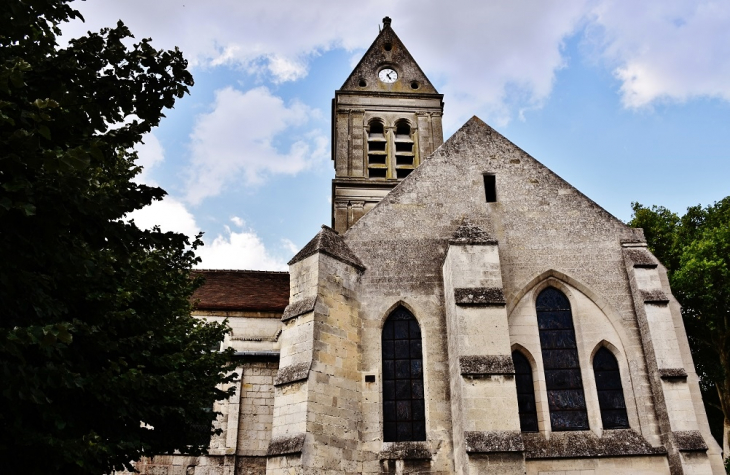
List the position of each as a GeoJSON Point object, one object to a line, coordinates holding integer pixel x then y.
{"type": "Point", "coordinates": [674, 382]}
{"type": "Point", "coordinates": [317, 397]}
{"type": "Point", "coordinates": [484, 408]}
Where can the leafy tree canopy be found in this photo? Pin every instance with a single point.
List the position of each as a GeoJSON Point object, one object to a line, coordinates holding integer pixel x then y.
{"type": "Point", "coordinates": [96, 336]}
{"type": "Point", "coordinates": [695, 248]}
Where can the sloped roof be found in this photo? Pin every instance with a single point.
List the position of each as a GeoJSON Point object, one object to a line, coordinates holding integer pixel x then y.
{"type": "Point", "coordinates": [242, 290]}
{"type": "Point", "coordinates": [329, 242]}
{"type": "Point", "coordinates": [388, 51]}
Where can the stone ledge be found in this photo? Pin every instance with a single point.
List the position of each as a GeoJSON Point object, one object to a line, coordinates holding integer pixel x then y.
{"type": "Point", "coordinates": [405, 451]}
{"type": "Point", "coordinates": [493, 441]}
{"type": "Point", "coordinates": [300, 307]}
{"type": "Point", "coordinates": [689, 441]}
{"type": "Point", "coordinates": [480, 296]}
{"type": "Point", "coordinates": [286, 445]}
{"type": "Point", "coordinates": [654, 296]}
{"type": "Point", "coordinates": [614, 443]}
{"type": "Point", "coordinates": [672, 373]}
{"type": "Point", "coordinates": [292, 373]}
{"type": "Point", "coordinates": [641, 258]}
{"type": "Point", "coordinates": [486, 365]}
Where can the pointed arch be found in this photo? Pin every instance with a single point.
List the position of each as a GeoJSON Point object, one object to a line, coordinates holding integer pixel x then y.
{"type": "Point", "coordinates": [609, 389]}
{"type": "Point", "coordinates": [543, 280]}
{"type": "Point", "coordinates": [525, 391]}
{"type": "Point", "coordinates": [404, 412]}
{"type": "Point", "coordinates": [558, 344]}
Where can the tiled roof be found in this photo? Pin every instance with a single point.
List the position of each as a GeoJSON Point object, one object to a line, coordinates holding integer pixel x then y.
{"type": "Point", "coordinates": [329, 242]}
{"type": "Point", "coordinates": [243, 290]}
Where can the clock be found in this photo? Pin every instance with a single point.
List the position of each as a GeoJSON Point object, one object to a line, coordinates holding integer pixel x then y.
{"type": "Point", "coordinates": [388, 75]}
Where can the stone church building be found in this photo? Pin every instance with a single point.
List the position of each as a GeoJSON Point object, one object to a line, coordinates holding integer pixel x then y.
{"type": "Point", "coordinates": [467, 312]}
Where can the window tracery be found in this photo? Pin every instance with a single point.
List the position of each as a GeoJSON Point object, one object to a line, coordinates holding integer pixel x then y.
{"type": "Point", "coordinates": [525, 393]}
{"type": "Point", "coordinates": [563, 380]}
{"type": "Point", "coordinates": [404, 414]}
{"type": "Point", "coordinates": [610, 391]}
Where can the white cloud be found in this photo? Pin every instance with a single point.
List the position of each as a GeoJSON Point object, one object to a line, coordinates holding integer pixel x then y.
{"type": "Point", "coordinates": [230, 250]}
{"type": "Point", "coordinates": [667, 50]}
{"type": "Point", "coordinates": [236, 141]}
{"type": "Point", "coordinates": [285, 69]}
{"type": "Point", "coordinates": [244, 250]}
{"type": "Point", "coordinates": [491, 58]}
{"type": "Point", "coordinates": [170, 214]}
{"type": "Point", "coordinates": [289, 246]}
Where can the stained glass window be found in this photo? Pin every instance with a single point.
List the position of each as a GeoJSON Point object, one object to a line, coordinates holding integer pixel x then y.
{"type": "Point", "coordinates": [525, 393]}
{"type": "Point", "coordinates": [563, 381]}
{"type": "Point", "coordinates": [404, 414]}
{"type": "Point", "coordinates": [610, 392]}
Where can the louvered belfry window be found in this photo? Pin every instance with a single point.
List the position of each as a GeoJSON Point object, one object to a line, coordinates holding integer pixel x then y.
{"type": "Point", "coordinates": [610, 391]}
{"type": "Point", "coordinates": [566, 399]}
{"type": "Point", "coordinates": [525, 393]}
{"type": "Point", "coordinates": [404, 415]}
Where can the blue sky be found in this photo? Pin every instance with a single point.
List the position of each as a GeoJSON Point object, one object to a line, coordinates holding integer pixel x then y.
{"type": "Point", "coordinates": [628, 101]}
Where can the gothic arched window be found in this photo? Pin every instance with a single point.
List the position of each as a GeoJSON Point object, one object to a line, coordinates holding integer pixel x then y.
{"type": "Point", "coordinates": [404, 414]}
{"type": "Point", "coordinates": [563, 380]}
{"type": "Point", "coordinates": [525, 393]}
{"type": "Point", "coordinates": [404, 149]}
{"type": "Point", "coordinates": [610, 392]}
{"type": "Point", "coordinates": [377, 150]}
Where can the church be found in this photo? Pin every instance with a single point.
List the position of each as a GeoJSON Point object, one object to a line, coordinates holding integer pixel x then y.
{"type": "Point", "coordinates": [466, 312]}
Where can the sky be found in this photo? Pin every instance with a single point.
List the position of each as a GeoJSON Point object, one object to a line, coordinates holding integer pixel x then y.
{"type": "Point", "coordinates": [628, 101]}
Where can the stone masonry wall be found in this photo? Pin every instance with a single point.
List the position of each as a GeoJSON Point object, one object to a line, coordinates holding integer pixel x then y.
{"type": "Point", "coordinates": [544, 226]}
{"type": "Point", "coordinates": [256, 416]}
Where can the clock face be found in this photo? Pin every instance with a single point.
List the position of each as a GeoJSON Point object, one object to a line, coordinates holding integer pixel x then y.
{"type": "Point", "coordinates": [388, 75]}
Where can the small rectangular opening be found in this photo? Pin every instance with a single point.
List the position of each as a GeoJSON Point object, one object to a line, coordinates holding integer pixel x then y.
{"type": "Point", "coordinates": [377, 172]}
{"type": "Point", "coordinates": [404, 147]}
{"type": "Point", "coordinates": [404, 160]}
{"type": "Point", "coordinates": [376, 146]}
{"type": "Point", "coordinates": [403, 172]}
{"type": "Point", "coordinates": [377, 159]}
{"type": "Point", "coordinates": [490, 188]}
{"type": "Point", "coordinates": [369, 378]}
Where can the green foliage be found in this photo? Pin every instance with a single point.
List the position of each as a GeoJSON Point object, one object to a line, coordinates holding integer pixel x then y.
{"type": "Point", "coordinates": [96, 336]}
{"type": "Point", "coordinates": [695, 248]}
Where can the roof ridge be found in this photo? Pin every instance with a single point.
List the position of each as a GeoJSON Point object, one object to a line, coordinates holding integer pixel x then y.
{"type": "Point", "coordinates": [248, 271]}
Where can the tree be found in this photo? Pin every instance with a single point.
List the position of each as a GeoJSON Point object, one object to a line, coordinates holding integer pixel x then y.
{"type": "Point", "coordinates": [695, 248]}
{"type": "Point", "coordinates": [100, 359]}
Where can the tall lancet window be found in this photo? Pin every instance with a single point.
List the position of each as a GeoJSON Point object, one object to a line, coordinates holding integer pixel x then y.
{"type": "Point", "coordinates": [404, 414]}
{"type": "Point", "coordinates": [525, 393]}
{"type": "Point", "coordinates": [566, 399]}
{"type": "Point", "coordinates": [610, 392]}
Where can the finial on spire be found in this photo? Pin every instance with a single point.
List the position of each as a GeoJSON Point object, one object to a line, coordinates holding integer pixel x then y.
{"type": "Point", "coordinates": [386, 21]}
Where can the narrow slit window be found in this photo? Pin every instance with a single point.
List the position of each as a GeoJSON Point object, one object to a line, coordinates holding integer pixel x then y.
{"type": "Point", "coordinates": [525, 393]}
{"type": "Point", "coordinates": [609, 389]}
{"type": "Point", "coordinates": [490, 188]}
{"type": "Point", "coordinates": [563, 380]}
{"type": "Point", "coordinates": [404, 410]}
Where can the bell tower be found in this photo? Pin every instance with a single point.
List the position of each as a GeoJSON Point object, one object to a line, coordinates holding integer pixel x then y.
{"type": "Point", "coordinates": [386, 119]}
